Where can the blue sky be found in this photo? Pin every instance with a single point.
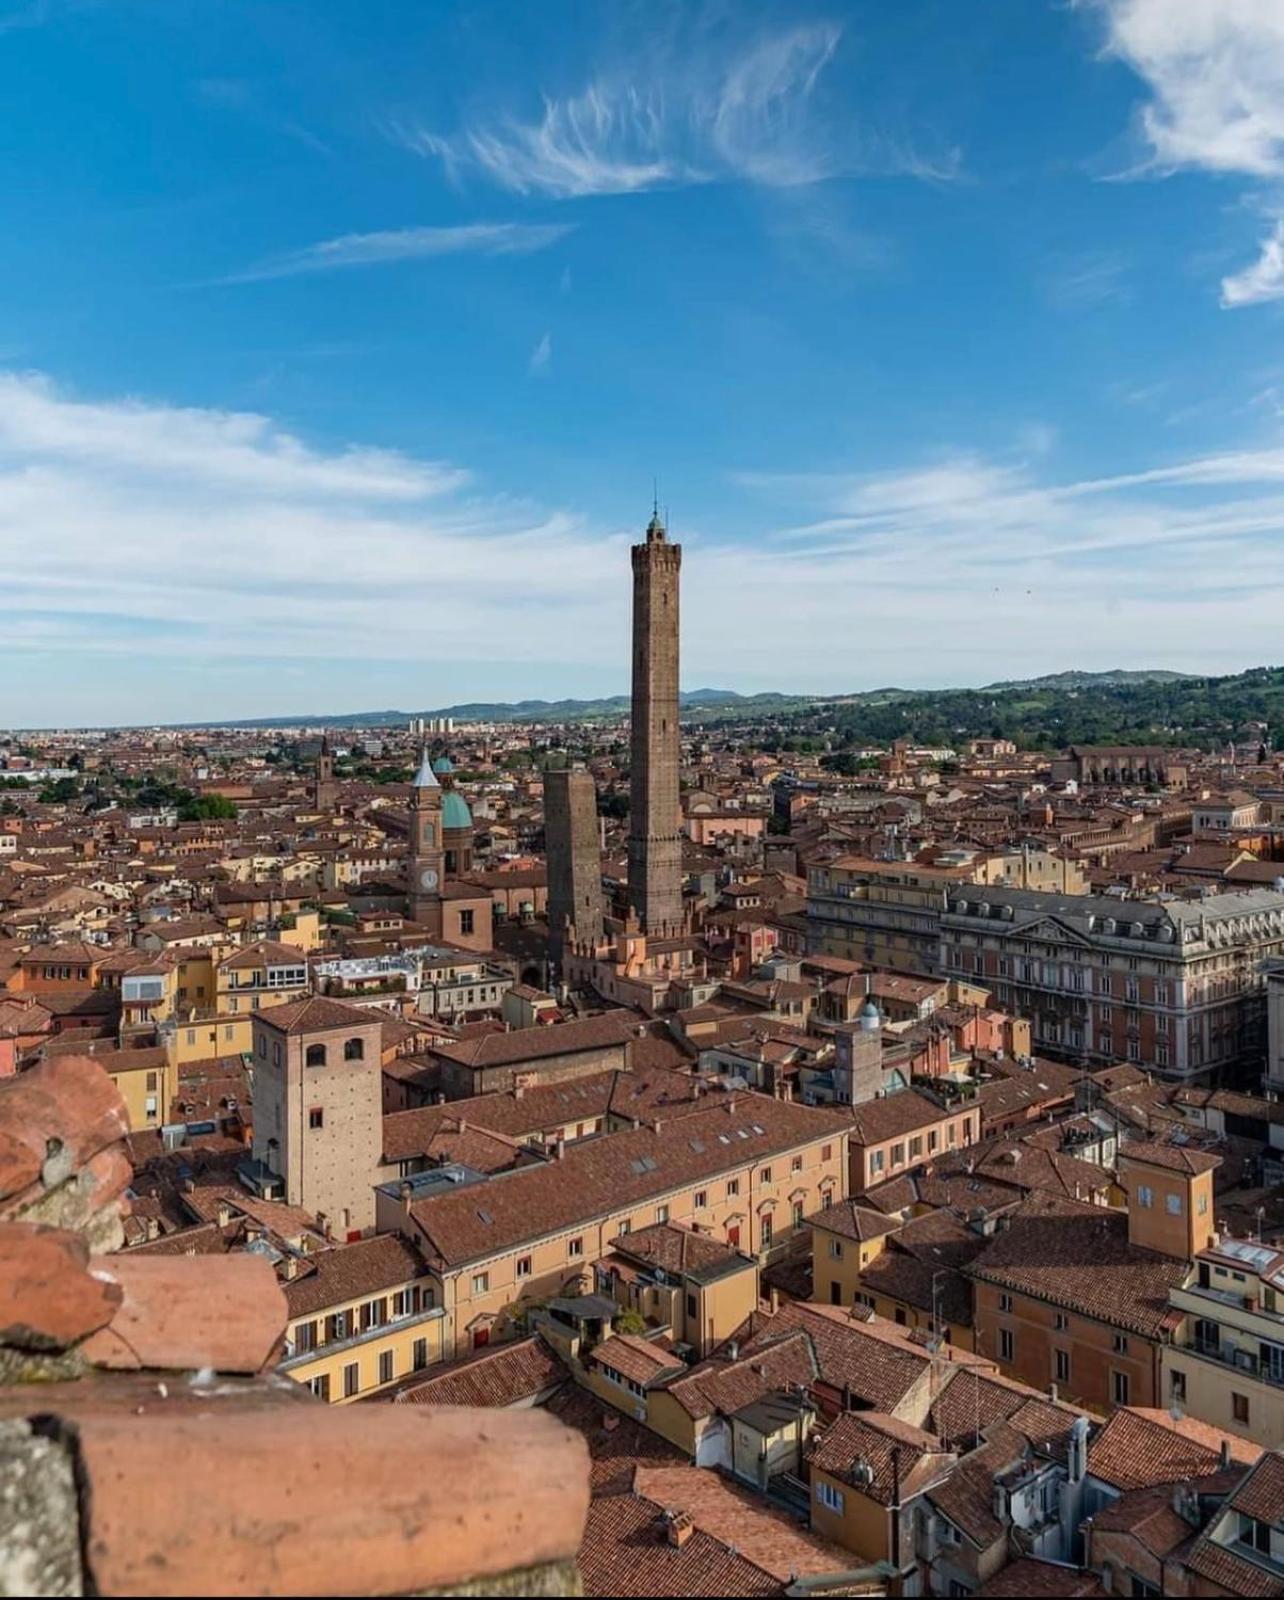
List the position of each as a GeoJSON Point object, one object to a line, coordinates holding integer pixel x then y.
{"type": "Point", "coordinates": [340, 345]}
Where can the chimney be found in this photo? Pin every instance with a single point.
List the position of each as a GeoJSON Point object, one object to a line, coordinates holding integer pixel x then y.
{"type": "Point", "coordinates": [559, 1149]}
{"type": "Point", "coordinates": [775, 1299]}
{"type": "Point", "coordinates": [519, 1089]}
{"type": "Point", "coordinates": [678, 1528]}
{"type": "Point", "coordinates": [406, 1191]}
{"type": "Point", "coordinates": [1226, 1455]}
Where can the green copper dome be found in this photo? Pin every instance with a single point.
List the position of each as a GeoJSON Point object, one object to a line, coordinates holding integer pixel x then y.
{"type": "Point", "coordinates": [443, 764]}
{"type": "Point", "coordinates": [454, 810]}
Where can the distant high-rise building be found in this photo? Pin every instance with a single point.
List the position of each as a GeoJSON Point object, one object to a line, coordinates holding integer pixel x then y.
{"type": "Point", "coordinates": [574, 859]}
{"type": "Point", "coordinates": [655, 839]}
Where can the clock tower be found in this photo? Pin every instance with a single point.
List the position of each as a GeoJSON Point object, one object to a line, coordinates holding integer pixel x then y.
{"type": "Point", "coordinates": [426, 859]}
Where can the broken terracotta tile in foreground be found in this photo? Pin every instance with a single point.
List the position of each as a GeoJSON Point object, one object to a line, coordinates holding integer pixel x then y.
{"type": "Point", "coordinates": [315, 1500]}
{"type": "Point", "coordinates": [157, 1454]}
{"type": "Point", "coordinates": [227, 1313]}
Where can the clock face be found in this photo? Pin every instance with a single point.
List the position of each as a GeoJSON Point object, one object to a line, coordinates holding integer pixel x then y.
{"type": "Point", "coordinates": [428, 877]}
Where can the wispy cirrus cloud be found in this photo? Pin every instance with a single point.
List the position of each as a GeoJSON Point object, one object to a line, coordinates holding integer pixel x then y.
{"type": "Point", "coordinates": [1086, 281]}
{"type": "Point", "coordinates": [541, 355]}
{"type": "Point", "coordinates": [750, 115]}
{"type": "Point", "coordinates": [406, 244]}
{"type": "Point", "coordinates": [46, 430]}
{"type": "Point", "coordinates": [137, 531]}
{"type": "Point", "coordinates": [1263, 280]}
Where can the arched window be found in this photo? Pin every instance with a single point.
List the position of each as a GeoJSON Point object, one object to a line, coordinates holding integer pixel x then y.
{"type": "Point", "coordinates": [354, 1050]}
{"type": "Point", "coordinates": [316, 1055]}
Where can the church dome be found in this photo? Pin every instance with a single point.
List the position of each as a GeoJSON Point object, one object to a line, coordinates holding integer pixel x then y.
{"type": "Point", "coordinates": [443, 765]}
{"type": "Point", "coordinates": [454, 810]}
{"type": "Point", "coordinates": [870, 1018]}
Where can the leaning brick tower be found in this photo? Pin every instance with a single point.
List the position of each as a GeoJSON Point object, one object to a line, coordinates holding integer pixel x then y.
{"type": "Point", "coordinates": [655, 840]}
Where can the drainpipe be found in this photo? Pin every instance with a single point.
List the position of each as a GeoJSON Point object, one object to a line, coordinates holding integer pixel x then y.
{"type": "Point", "coordinates": [896, 1509]}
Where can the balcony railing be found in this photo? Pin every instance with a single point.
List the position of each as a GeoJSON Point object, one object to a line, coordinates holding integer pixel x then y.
{"type": "Point", "coordinates": [378, 1330]}
{"type": "Point", "coordinates": [1239, 1360]}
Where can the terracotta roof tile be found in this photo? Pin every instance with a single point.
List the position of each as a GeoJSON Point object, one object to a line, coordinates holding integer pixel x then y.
{"type": "Point", "coordinates": [638, 1359]}
{"type": "Point", "coordinates": [616, 1443]}
{"type": "Point", "coordinates": [65, 1111]}
{"type": "Point", "coordinates": [1176, 1157]}
{"type": "Point", "coordinates": [1139, 1447]}
{"type": "Point", "coordinates": [49, 1299]}
{"type": "Point", "coordinates": [1081, 1258]}
{"type": "Point", "coordinates": [505, 1375]}
{"type": "Point", "coordinates": [678, 1250]}
{"type": "Point", "coordinates": [853, 1220]}
{"type": "Point", "coordinates": [771, 1539]}
{"type": "Point", "coordinates": [314, 1015]}
{"type": "Point", "coordinates": [597, 1176]}
{"type": "Point", "coordinates": [1261, 1494]}
{"type": "Point", "coordinates": [1148, 1516]}
{"type": "Point", "coordinates": [1035, 1578]}
{"type": "Point", "coordinates": [350, 1271]}
{"type": "Point", "coordinates": [1231, 1572]}
{"type": "Point", "coordinates": [626, 1552]}
{"type": "Point", "coordinates": [320, 1501]}
{"type": "Point", "coordinates": [534, 1044]}
{"type": "Point", "coordinates": [897, 1453]}
{"type": "Point", "coordinates": [223, 1313]}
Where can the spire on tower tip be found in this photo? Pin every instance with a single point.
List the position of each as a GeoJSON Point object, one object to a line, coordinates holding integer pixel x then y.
{"type": "Point", "coordinates": [655, 528]}
{"type": "Point", "coordinates": [425, 778]}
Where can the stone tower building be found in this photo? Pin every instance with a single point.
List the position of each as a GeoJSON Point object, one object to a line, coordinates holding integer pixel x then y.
{"type": "Point", "coordinates": [318, 1121]}
{"type": "Point", "coordinates": [325, 790]}
{"type": "Point", "coordinates": [655, 840]}
{"type": "Point", "coordinates": [574, 859]}
{"type": "Point", "coordinates": [425, 863]}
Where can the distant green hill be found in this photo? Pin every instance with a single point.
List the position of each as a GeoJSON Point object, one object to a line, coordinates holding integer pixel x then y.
{"type": "Point", "coordinates": [1050, 713]}
{"type": "Point", "coordinates": [610, 706]}
{"type": "Point", "coordinates": [1047, 713]}
{"type": "Point", "coordinates": [1091, 680]}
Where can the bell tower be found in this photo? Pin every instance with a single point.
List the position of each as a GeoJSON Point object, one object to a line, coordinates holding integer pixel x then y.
{"type": "Point", "coordinates": [425, 863]}
{"type": "Point", "coordinates": [325, 791]}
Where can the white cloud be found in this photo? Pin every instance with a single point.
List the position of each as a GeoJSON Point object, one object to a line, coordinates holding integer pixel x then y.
{"type": "Point", "coordinates": [542, 354]}
{"type": "Point", "coordinates": [41, 428]}
{"type": "Point", "coordinates": [746, 116]}
{"type": "Point", "coordinates": [1215, 70]}
{"type": "Point", "coordinates": [138, 532]}
{"type": "Point", "coordinates": [142, 529]}
{"type": "Point", "coordinates": [1264, 280]}
{"type": "Point", "coordinates": [1084, 282]}
{"type": "Point", "coordinates": [407, 244]}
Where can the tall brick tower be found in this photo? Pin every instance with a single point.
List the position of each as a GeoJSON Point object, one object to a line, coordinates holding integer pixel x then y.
{"type": "Point", "coordinates": [574, 859]}
{"type": "Point", "coordinates": [425, 863]}
{"type": "Point", "coordinates": [655, 841]}
{"type": "Point", "coordinates": [325, 789]}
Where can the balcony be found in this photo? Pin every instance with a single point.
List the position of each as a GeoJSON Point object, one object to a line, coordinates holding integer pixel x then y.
{"type": "Point", "coordinates": [334, 1347]}
{"type": "Point", "coordinates": [1239, 1360]}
